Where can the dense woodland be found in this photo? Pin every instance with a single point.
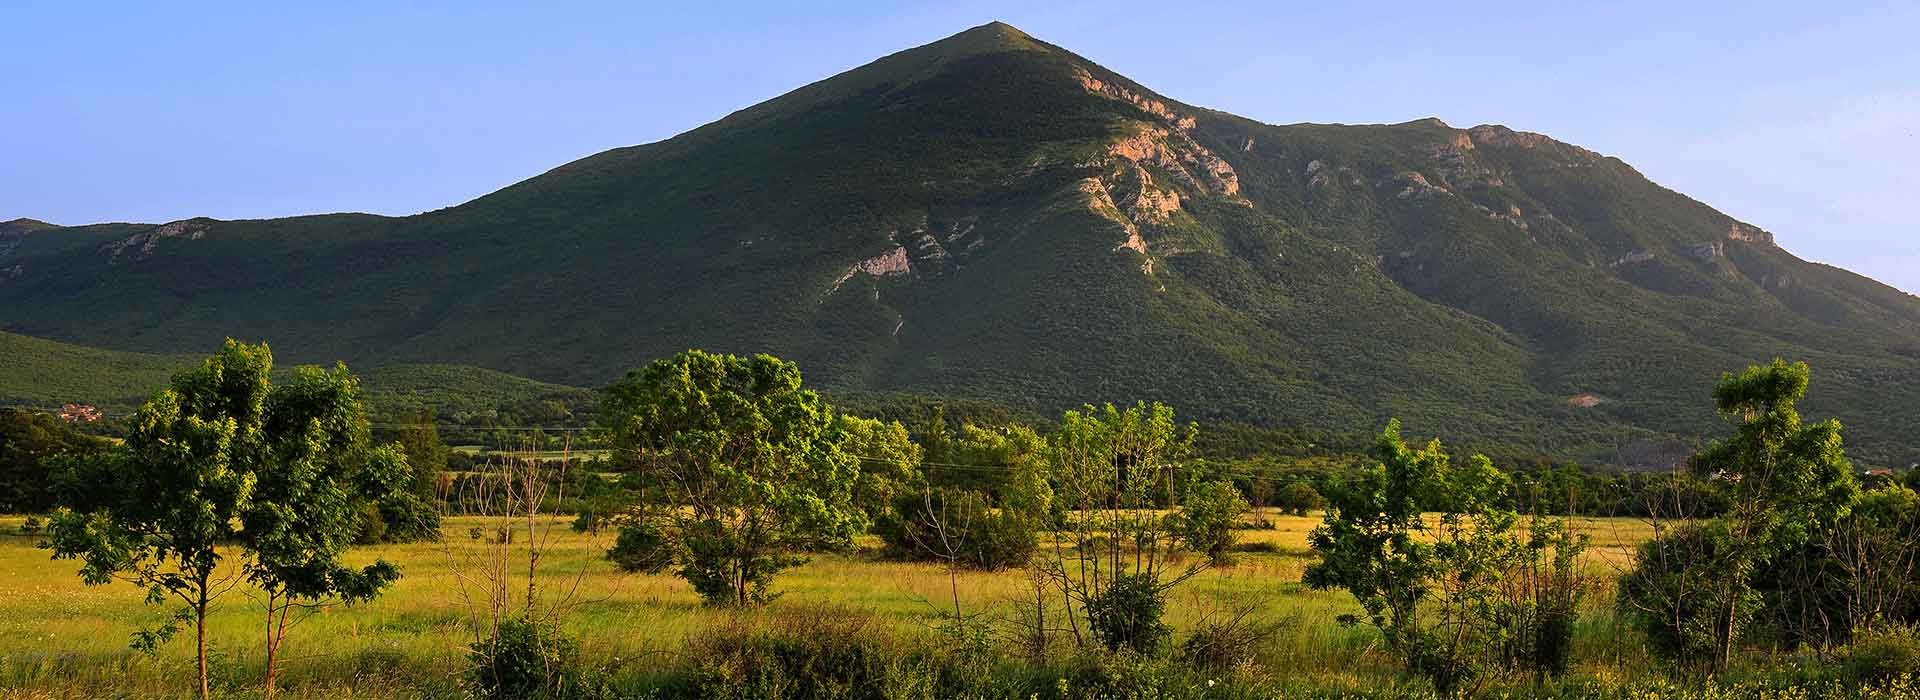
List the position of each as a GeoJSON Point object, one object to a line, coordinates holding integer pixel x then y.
{"type": "Point", "coordinates": [728, 473]}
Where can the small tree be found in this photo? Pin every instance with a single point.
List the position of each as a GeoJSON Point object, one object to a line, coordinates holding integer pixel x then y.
{"type": "Point", "coordinates": [1300, 497]}
{"type": "Point", "coordinates": [1113, 548]}
{"type": "Point", "coordinates": [1207, 514]}
{"type": "Point", "coordinates": [156, 512]}
{"type": "Point", "coordinates": [222, 458]}
{"type": "Point", "coordinates": [750, 466]}
{"type": "Point", "coordinates": [1430, 588]}
{"type": "Point", "coordinates": [960, 528]}
{"type": "Point", "coordinates": [419, 440]}
{"type": "Point", "coordinates": [1788, 482]}
{"type": "Point", "coordinates": [311, 488]}
{"type": "Point", "coordinates": [889, 462]}
{"type": "Point", "coordinates": [1015, 458]}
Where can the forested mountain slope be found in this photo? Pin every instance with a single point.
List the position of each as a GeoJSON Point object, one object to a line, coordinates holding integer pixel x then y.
{"type": "Point", "coordinates": [991, 217]}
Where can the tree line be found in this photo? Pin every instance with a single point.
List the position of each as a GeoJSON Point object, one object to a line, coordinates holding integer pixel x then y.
{"type": "Point", "coordinates": [731, 471]}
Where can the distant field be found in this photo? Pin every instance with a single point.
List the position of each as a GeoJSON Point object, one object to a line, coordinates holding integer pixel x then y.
{"type": "Point", "coordinates": [477, 450]}
{"type": "Point", "coordinates": [61, 639]}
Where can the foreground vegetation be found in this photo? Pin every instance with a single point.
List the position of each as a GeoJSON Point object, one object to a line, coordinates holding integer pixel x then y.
{"type": "Point", "coordinates": [752, 542]}
{"type": "Point", "coordinates": [60, 639]}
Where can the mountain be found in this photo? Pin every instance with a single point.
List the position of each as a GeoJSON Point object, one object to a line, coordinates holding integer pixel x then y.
{"type": "Point", "coordinates": [43, 374]}
{"type": "Point", "coordinates": [994, 218]}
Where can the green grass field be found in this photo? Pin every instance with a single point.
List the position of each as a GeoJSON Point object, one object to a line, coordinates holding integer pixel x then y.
{"type": "Point", "coordinates": [61, 639]}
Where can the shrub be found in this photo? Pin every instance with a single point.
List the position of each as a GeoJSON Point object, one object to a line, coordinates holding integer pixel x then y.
{"type": "Point", "coordinates": [958, 525]}
{"type": "Point", "coordinates": [1127, 614]}
{"type": "Point", "coordinates": [1129, 676]}
{"type": "Point", "coordinates": [1223, 647]}
{"type": "Point", "coordinates": [1881, 656]}
{"type": "Point", "coordinates": [1205, 523]}
{"type": "Point", "coordinates": [32, 525]}
{"type": "Point", "coordinates": [1299, 497]}
{"type": "Point", "coordinates": [409, 518]}
{"type": "Point", "coordinates": [816, 652]}
{"type": "Point", "coordinates": [526, 660]}
{"type": "Point", "coordinates": [641, 547]}
{"type": "Point", "coordinates": [1678, 599]}
{"type": "Point", "coordinates": [1540, 600]}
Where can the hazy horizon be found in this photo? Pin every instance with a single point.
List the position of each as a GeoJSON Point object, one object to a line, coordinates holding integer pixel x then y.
{"type": "Point", "coordinates": [1798, 121]}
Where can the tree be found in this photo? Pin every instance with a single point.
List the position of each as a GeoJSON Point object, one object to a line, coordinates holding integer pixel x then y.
{"type": "Point", "coordinates": [1206, 518]}
{"type": "Point", "coordinates": [1788, 482]}
{"type": "Point", "coordinates": [1300, 497]}
{"type": "Point", "coordinates": [1014, 462]}
{"type": "Point", "coordinates": [958, 527]}
{"type": "Point", "coordinates": [30, 443]}
{"type": "Point", "coordinates": [419, 439]}
{"type": "Point", "coordinates": [1112, 548]}
{"type": "Point", "coordinates": [221, 458]}
{"type": "Point", "coordinates": [156, 512]}
{"type": "Point", "coordinates": [750, 465]}
{"type": "Point", "coordinates": [1430, 588]}
{"type": "Point", "coordinates": [314, 480]}
{"type": "Point", "coordinates": [889, 462]}
{"type": "Point", "coordinates": [935, 441]}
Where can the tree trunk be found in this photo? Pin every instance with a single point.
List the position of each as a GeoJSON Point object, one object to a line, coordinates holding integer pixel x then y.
{"type": "Point", "coordinates": [272, 646]}
{"type": "Point", "coordinates": [200, 634]}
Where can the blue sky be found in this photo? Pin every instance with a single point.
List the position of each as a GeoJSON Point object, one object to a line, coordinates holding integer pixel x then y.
{"type": "Point", "coordinates": [1797, 117]}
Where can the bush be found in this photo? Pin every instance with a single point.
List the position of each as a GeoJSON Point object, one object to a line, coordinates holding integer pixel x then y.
{"type": "Point", "coordinates": [1299, 497]}
{"type": "Point", "coordinates": [32, 525]}
{"type": "Point", "coordinates": [1675, 598]}
{"type": "Point", "coordinates": [1205, 521]}
{"type": "Point", "coordinates": [1223, 647]}
{"type": "Point", "coordinates": [799, 654]}
{"type": "Point", "coordinates": [1129, 676]}
{"type": "Point", "coordinates": [1882, 656]}
{"type": "Point", "coordinates": [641, 547]}
{"type": "Point", "coordinates": [409, 518]}
{"type": "Point", "coordinates": [1127, 614]}
{"type": "Point", "coordinates": [527, 660]}
{"type": "Point", "coordinates": [977, 535]}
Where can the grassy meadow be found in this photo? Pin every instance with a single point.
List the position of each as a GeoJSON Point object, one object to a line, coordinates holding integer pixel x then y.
{"type": "Point", "coordinates": [62, 639]}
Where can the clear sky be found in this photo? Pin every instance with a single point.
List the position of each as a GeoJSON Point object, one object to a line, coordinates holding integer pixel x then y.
{"type": "Point", "coordinates": [1798, 117]}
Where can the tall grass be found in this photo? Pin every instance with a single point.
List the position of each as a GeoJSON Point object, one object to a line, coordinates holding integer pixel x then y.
{"type": "Point", "coordinates": [61, 639]}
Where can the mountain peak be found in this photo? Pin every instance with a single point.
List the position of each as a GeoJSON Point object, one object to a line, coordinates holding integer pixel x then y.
{"type": "Point", "coordinates": [995, 33]}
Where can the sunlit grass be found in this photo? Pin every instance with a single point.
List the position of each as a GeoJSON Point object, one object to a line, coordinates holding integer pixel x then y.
{"type": "Point", "coordinates": [59, 638]}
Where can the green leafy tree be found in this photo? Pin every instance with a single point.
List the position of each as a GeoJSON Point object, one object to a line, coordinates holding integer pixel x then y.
{"type": "Point", "coordinates": [1300, 497]}
{"type": "Point", "coordinates": [219, 463]}
{"type": "Point", "coordinates": [157, 512]}
{"type": "Point", "coordinates": [1207, 514]}
{"type": "Point", "coordinates": [426, 454]}
{"type": "Point", "coordinates": [959, 527]}
{"type": "Point", "coordinates": [750, 467]}
{"type": "Point", "coordinates": [1788, 482]}
{"type": "Point", "coordinates": [1430, 586]}
{"type": "Point", "coordinates": [30, 443]}
{"type": "Point", "coordinates": [1014, 462]}
{"type": "Point", "coordinates": [936, 441]}
{"type": "Point", "coordinates": [889, 462]}
{"type": "Point", "coordinates": [316, 477]}
{"type": "Point", "coordinates": [1112, 471]}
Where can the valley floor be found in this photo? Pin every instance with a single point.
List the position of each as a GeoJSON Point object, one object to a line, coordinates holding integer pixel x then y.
{"type": "Point", "coordinates": [59, 638]}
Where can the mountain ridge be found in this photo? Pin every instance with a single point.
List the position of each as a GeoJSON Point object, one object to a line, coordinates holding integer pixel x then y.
{"type": "Point", "coordinates": [992, 217]}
